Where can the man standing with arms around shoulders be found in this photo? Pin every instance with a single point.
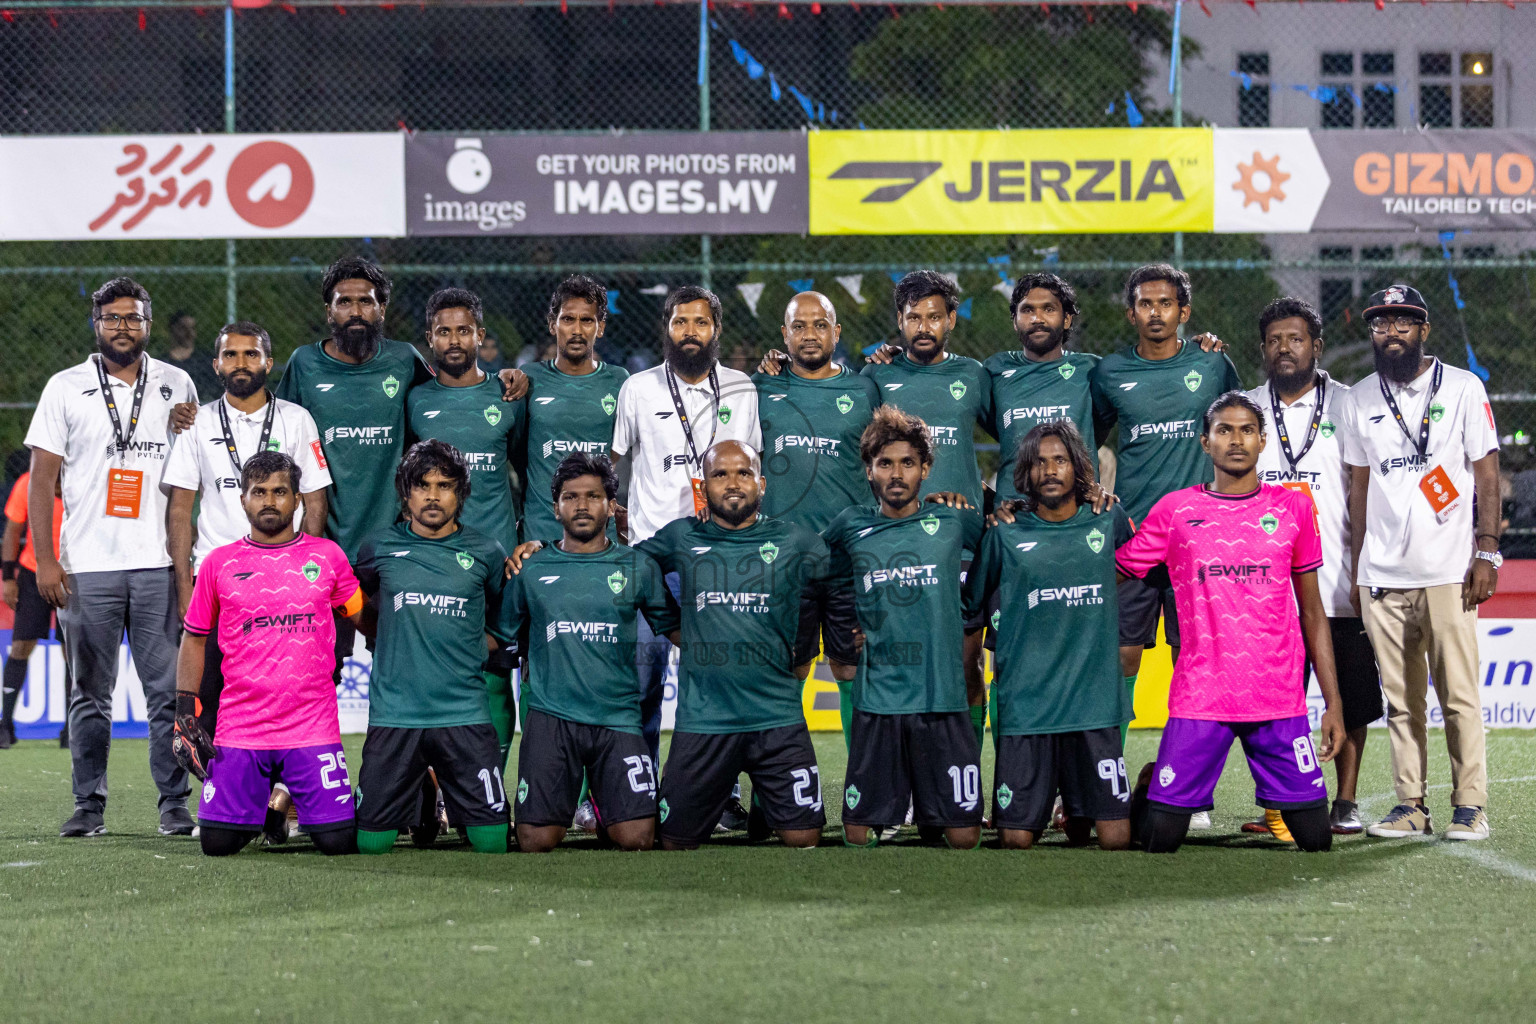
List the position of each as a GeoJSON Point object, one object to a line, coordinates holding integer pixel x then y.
{"type": "Point", "coordinates": [1303, 417]}
{"type": "Point", "coordinates": [104, 425]}
{"type": "Point", "coordinates": [1421, 447]}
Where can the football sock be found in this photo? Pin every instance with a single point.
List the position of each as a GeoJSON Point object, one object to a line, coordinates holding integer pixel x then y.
{"type": "Point", "coordinates": [503, 708]}
{"type": "Point", "coordinates": [585, 789]}
{"type": "Point", "coordinates": [992, 710]}
{"type": "Point", "coordinates": [1130, 689]}
{"type": "Point", "coordinates": [222, 842]}
{"type": "Point", "coordinates": [874, 840]}
{"type": "Point", "coordinates": [1310, 828]}
{"type": "Point", "coordinates": [376, 842]}
{"type": "Point", "coordinates": [488, 838]}
{"type": "Point", "coordinates": [335, 842]}
{"type": "Point", "coordinates": [15, 679]}
{"type": "Point", "coordinates": [845, 710]}
{"type": "Point", "coordinates": [1165, 830]}
{"type": "Point", "coordinates": [979, 722]}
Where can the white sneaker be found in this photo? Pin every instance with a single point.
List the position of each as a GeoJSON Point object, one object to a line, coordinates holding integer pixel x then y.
{"type": "Point", "coordinates": [1200, 821]}
{"type": "Point", "coordinates": [1468, 823]}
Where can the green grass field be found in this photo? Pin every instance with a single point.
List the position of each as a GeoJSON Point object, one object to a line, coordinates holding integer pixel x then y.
{"type": "Point", "coordinates": [137, 927]}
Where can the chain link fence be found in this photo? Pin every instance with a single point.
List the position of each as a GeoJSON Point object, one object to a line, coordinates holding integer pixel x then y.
{"type": "Point", "coordinates": [571, 65]}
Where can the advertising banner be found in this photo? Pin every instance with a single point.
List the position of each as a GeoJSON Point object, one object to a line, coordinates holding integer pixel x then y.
{"type": "Point", "coordinates": [1273, 180]}
{"type": "Point", "coordinates": [665, 183]}
{"type": "Point", "coordinates": [201, 186]}
{"type": "Point", "coordinates": [1066, 181]}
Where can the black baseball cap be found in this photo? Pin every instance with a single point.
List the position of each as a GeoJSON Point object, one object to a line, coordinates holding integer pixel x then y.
{"type": "Point", "coordinates": [1397, 298]}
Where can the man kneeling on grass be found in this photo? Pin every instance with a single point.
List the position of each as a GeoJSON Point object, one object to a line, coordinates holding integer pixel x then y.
{"type": "Point", "coordinates": [1243, 558]}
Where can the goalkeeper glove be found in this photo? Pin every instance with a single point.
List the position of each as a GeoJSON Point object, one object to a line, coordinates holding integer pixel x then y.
{"type": "Point", "coordinates": [191, 745]}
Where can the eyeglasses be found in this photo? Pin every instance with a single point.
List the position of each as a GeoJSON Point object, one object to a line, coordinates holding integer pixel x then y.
{"type": "Point", "coordinates": [113, 321]}
{"type": "Point", "coordinates": [1393, 324]}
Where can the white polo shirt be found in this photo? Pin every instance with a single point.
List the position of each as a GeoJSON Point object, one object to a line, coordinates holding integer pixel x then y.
{"type": "Point", "coordinates": [203, 465]}
{"type": "Point", "coordinates": [646, 424]}
{"type": "Point", "coordinates": [1321, 473]}
{"type": "Point", "coordinates": [1406, 547]}
{"type": "Point", "coordinates": [71, 421]}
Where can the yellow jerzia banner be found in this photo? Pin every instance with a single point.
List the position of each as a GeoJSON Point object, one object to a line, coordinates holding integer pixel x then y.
{"type": "Point", "coordinates": [1063, 181]}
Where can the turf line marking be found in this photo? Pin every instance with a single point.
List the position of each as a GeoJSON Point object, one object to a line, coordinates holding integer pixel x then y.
{"type": "Point", "coordinates": [1491, 860]}
{"type": "Point", "coordinates": [1376, 799]}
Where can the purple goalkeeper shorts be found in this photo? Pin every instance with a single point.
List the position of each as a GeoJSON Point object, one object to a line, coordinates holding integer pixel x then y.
{"type": "Point", "coordinates": [240, 783]}
{"type": "Point", "coordinates": [1280, 755]}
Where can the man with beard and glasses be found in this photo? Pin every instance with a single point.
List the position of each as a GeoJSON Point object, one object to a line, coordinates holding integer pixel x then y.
{"type": "Point", "coordinates": [355, 384]}
{"type": "Point", "coordinates": [1423, 457]}
{"type": "Point", "coordinates": [914, 745]}
{"type": "Point", "coordinates": [463, 406]}
{"type": "Point", "coordinates": [1303, 410]}
{"type": "Point", "coordinates": [812, 418]}
{"type": "Point", "coordinates": [572, 399]}
{"type": "Point", "coordinates": [1157, 390]}
{"type": "Point", "coordinates": [1061, 703]}
{"type": "Point", "coordinates": [207, 460]}
{"type": "Point", "coordinates": [738, 706]}
{"type": "Point", "coordinates": [104, 425]}
{"type": "Point", "coordinates": [667, 418]}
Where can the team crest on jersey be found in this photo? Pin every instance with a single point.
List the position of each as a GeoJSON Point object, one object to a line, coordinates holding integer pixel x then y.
{"type": "Point", "coordinates": [617, 581]}
{"type": "Point", "coordinates": [769, 551]}
{"type": "Point", "coordinates": [208, 791]}
{"type": "Point", "coordinates": [492, 415]}
{"type": "Point", "coordinates": [165, 392]}
{"type": "Point", "coordinates": [957, 389]}
{"type": "Point", "coordinates": [465, 559]}
{"type": "Point", "coordinates": [851, 797]}
{"type": "Point", "coordinates": [522, 791]}
{"type": "Point", "coordinates": [725, 414]}
{"type": "Point", "coordinates": [391, 386]}
{"type": "Point", "coordinates": [930, 524]}
{"type": "Point", "coordinates": [1192, 380]}
{"type": "Point", "coordinates": [1436, 412]}
{"type": "Point", "coordinates": [1269, 524]}
{"type": "Point", "coordinates": [664, 809]}
{"type": "Point", "coordinates": [844, 403]}
{"type": "Point", "coordinates": [1095, 540]}
{"type": "Point", "coordinates": [1325, 428]}
{"type": "Point", "coordinates": [310, 570]}
{"type": "Point", "coordinates": [609, 404]}
{"type": "Point", "coordinates": [1166, 776]}
{"type": "Point", "coordinates": [1004, 796]}
{"type": "Point", "coordinates": [997, 617]}
{"type": "Point", "coordinates": [1066, 370]}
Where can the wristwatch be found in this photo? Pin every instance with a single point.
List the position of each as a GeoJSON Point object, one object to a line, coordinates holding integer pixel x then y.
{"type": "Point", "coordinates": [1496, 557]}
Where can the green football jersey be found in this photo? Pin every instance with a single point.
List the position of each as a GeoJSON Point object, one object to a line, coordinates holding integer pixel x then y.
{"type": "Point", "coordinates": [952, 396]}
{"type": "Point", "coordinates": [579, 612]}
{"type": "Point", "coordinates": [359, 409]}
{"type": "Point", "coordinates": [1160, 405]}
{"type": "Point", "coordinates": [1057, 622]}
{"type": "Point", "coordinates": [811, 431]}
{"type": "Point", "coordinates": [905, 575]}
{"type": "Point", "coordinates": [489, 432]}
{"type": "Point", "coordinates": [436, 601]}
{"type": "Point", "coordinates": [1026, 392]}
{"type": "Point", "coordinates": [740, 601]}
{"type": "Point", "coordinates": [565, 414]}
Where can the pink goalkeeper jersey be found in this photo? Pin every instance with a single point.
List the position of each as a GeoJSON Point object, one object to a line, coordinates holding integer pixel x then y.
{"type": "Point", "coordinates": [272, 607]}
{"type": "Point", "coordinates": [1231, 558]}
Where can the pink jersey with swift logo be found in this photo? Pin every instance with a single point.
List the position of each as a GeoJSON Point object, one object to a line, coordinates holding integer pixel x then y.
{"type": "Point", "coordinates": [1231, 558]}
{"type": "Point", "coordinates": [271, 605]}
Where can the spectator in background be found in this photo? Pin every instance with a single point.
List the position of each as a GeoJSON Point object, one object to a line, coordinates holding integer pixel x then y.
{"type": "Point", "coordinates": [105, 424]}
{"type": "Point", "coordinates": [489, 354]}
{"type": "Point", "coordinates": [1520, 540]}
{"type": "Point", "coordinates": [34, 619]}
{"type": "Point", "coordinates": [182, 352]}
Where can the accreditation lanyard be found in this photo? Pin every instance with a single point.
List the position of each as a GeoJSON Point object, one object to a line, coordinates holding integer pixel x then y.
{"type": "Point", "coordinates": [1285, 436]}
{"type": "Point", "coordinates": [229, 435]}
{"type": "Point", "coordinates": [123, 440]}
{"type": "Point", "coordinates": [687, 424]}
{"type": "Point", "coordinates": [1421, 446]}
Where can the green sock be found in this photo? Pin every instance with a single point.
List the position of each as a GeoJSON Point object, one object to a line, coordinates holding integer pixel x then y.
{"type": "Point", "coordinates": [488, 838]}
{"type": "Point", "coordinates": [1130, 689]}
{"type": "Point", "coordinates": [874, 841]}
{"type": "Point", "coordinates": [845, 710]}
{"type": "Point", "coordinates": [503, 707]}
{"type": "Point", "coordinates": [992, 708]}
{"type": "Point", "coordinates": [585, 789]}
{"type": "Point", "coordinates": [979, 722]}
{"type": "Point", "coordinates": [376, 842]}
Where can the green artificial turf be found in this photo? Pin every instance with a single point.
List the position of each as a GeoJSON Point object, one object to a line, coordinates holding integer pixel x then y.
{"type": "Point", "coordinates": [137, 927]}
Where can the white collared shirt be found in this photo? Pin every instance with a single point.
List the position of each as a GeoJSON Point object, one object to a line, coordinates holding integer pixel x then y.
{"type": "Point", "coordinates": [71, 421]}
{"type": "Point", "coordinates": [1324, 475]}
{"type": "Point", "coordinates": [202, 464]}
{"type": "Point", "coordinates": [660, 487]}
{"type": "Point", "coordinates": [1405, 546]}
